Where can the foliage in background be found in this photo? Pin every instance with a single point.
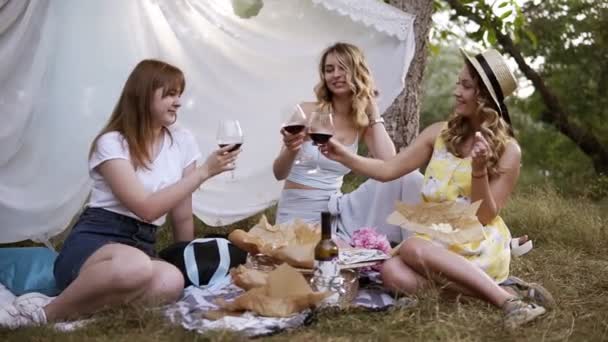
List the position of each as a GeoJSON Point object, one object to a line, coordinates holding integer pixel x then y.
{"type": "Point", "coordinates": [577, 38]}
{"type": "Point", "coordinates": [571, 58]}
{"type": "Point", "coordinates": [547, 155]}
{"type": "Point", "coordinates": [574, 46]}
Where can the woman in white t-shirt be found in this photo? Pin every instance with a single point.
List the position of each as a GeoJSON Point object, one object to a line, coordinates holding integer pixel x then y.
{"type": "Point", "coordinates": [143, 168]}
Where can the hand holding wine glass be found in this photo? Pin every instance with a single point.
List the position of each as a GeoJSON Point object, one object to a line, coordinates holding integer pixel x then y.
{"type": "Point", "coordinates": [220, 161]}
{"type": "Point", "coordinates": [294, 129]}
{"type": "Point", "coordinates": [229, 133]}
{"type": "Point", "coordinates": [320, 131]}
{"type": "Point", "coordinates": [334, 150]}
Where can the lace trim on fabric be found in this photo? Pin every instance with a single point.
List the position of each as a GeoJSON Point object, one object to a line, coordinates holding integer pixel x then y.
{"type": "Point", "coordinates": [373, 13]}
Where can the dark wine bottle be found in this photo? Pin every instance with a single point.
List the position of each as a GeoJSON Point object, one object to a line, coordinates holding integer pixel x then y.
{"type": "Point", "coordinates": [326, 250]}
{"type": "Point", "coordinates": [327, 269]}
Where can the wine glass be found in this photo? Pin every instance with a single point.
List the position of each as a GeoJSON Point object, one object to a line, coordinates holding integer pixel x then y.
{"type": "Point", "coordinates": [295, 122]}
{"type": "Point", "coordinates": [321, 130]}
{"type": "Point", "coordinates": [229, 132]}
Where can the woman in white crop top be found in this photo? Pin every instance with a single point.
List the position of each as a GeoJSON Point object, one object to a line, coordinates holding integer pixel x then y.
{"type": "Point", "coordinates": [346, 89]}
{"type": "Point", "coordinates": [143, 168]}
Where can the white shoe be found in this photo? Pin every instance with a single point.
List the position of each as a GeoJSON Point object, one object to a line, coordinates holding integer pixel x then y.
{"type": "Point", "coordinates": [26, 310]}
{"type": "Point", "coordinates": [518, 249]}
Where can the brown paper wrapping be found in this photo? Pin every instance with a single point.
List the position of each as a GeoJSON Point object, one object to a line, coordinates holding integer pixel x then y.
{"type": "Point", "coordinates": [292, 243]}
{"type": "Point", "coordinates": [285, 293]}
{"type": "Point", "coordinates": [247, 278]}
{"type": "Point", "coordinates": [421, 217]}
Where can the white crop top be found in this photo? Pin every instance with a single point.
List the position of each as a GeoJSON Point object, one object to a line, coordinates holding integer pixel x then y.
{"type": "Point", "coordinates": [167, 168]}
{"type": "Point", "coordinates": [331, 175]}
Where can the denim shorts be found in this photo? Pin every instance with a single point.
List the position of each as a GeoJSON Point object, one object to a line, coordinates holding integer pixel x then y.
{"type": "Point", "coordinates": [95, 228]}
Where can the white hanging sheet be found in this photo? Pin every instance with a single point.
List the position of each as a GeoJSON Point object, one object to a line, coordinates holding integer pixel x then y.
{"type": "Point", "coordinates": [63, 65]}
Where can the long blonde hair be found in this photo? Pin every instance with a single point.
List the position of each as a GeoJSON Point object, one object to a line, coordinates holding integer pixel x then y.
{"type": "Point", "coordinates": [132, 114]}
{"type": "Point", "coordinates": [493, 127]}
{"type": "Point", "coordinates": [358, 78]}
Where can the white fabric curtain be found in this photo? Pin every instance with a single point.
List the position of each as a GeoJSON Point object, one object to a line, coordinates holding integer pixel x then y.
{"type": "Point", "coordinates": [64, 64]}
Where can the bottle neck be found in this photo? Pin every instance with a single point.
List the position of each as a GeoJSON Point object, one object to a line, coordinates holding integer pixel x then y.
{"type": "Point", "coordinates": [326, 230]}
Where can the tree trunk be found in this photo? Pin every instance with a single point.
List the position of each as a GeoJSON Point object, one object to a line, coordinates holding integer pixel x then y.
{"type": "Point", "coordinates": [556, 114]}
{"type": "Point", "coordinates": [402, 117]}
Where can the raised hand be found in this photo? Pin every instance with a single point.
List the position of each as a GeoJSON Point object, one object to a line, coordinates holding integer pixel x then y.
{"type": "Point", "coordinates": [334, 150]}
{"type": "Point", "coordinates": [221, 160]}
{"type": "Point", "coordinates": [293, 142]}
{"type": "Point", "coordinates": [480, 154]}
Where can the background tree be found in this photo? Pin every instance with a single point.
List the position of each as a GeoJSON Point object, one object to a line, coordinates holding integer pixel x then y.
{"type": "Point", "coordinates": [402, 117]}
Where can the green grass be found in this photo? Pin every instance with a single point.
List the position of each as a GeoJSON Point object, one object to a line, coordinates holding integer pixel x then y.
{"type": "Point", "coordinates": [569, 258]}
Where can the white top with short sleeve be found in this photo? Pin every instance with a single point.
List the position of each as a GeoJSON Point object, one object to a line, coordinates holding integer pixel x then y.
{"type": "Point", "coordinates": [167, 168]}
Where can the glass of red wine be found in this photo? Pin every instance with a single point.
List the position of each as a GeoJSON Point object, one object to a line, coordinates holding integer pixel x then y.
{"type": "Point", "coordinates": [229, 132]}
{"type": "Point", "coordinates": [320, 131]}
{"type": "Point", "coordinates": [295, 122]}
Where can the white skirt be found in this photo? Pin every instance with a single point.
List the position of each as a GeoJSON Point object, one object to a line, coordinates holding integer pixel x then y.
{"type": "Point", "coordinates": [305, 205]}
{"type": "Point", "coordinates": [367, 206]}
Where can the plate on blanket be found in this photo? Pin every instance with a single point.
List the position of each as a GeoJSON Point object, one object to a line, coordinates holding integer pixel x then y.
{"type": "Point", "coordinates": [357, 256]}
{"type": "Point", "coordinates": [349, 258]}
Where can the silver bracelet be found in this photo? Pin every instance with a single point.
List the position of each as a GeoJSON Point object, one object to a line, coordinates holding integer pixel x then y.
{"type": "Point", "coordinates": [376, 121]}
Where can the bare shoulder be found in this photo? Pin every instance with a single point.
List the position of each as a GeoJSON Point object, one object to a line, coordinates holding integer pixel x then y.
{"type": "Point", "coordinates": [436, 128]}
{"type": "Point", "coordinates": [511, 157]}
{"type": "Point", "coordinates": [429, 134]}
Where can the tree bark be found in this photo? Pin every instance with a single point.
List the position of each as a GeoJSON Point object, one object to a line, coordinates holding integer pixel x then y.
{"type": "Point", "coordinates": [556, 113]}
{"type": "Point", "coordinates": [402, 117]}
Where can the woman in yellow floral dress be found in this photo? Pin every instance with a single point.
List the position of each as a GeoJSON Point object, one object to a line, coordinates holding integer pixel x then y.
{"type": "Point", "coordinates": [471, 157]}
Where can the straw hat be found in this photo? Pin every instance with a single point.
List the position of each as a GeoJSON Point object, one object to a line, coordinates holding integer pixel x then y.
{"type": "Point", "coordinates": [495, 75]}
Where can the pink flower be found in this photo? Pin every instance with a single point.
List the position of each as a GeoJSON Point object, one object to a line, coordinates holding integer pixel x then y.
{"type": "Point", "coordinates": [369, 238]}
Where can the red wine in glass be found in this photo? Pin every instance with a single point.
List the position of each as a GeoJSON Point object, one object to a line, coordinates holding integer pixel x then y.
{"type": "Point", "coordinates": [236, 146]}
{"type": "Point", "coordinates": [294, 122]}
{"type": "Point", "coordinates": [320, 131]}
{"type": "Point", "coordinates": [294, 129]}
{"type": "Point", "coordinates": [320, 138]}
{"type": "Point", "coordinates": [229, 132]}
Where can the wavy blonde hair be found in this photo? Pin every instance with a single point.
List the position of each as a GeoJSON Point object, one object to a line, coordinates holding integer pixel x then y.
{"type": "Point", "coordinates": [493, 127]}
{"type": "Point", "coordinates": [132, 116]}
{"type": "Point", "coordinates": [358, 78]}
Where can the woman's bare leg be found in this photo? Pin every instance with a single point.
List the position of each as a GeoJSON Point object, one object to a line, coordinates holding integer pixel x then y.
{"type": "Point", "coordinates": [426, 258]}
{"type": "Point", "coordinates": [166, 286]}
{"type": "Point", "coordinates": [114, 274]}
{"type": "Point", "coordinates": [399, 277]}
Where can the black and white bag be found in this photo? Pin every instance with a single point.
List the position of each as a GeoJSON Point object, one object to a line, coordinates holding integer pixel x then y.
{"type": "Point", "coordinates": [205, 262]}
